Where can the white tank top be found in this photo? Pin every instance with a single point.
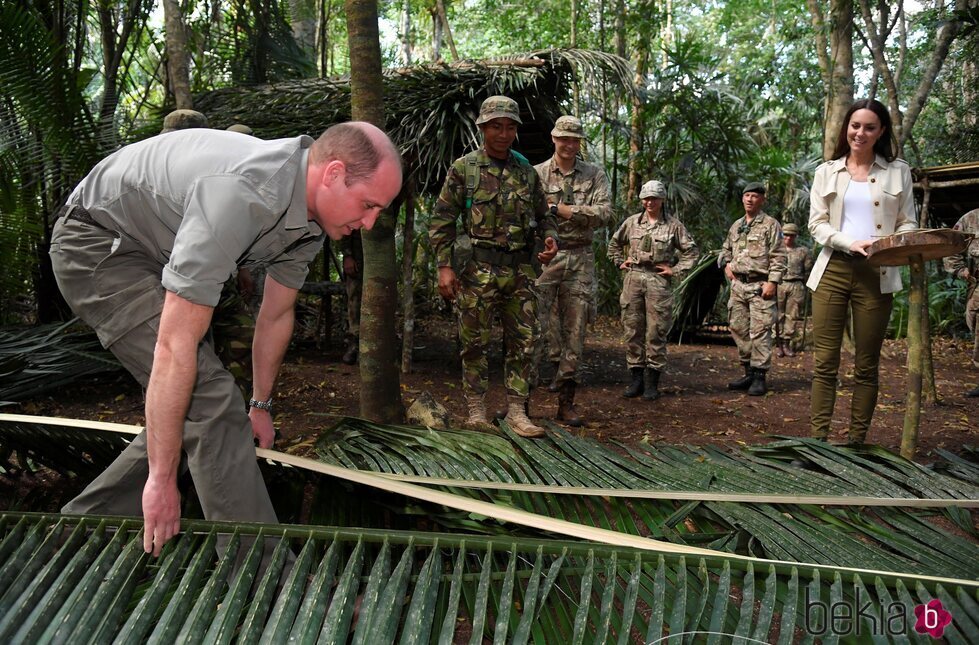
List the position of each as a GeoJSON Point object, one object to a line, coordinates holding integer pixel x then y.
{"type": "Point", "coordinates": [858, 212]}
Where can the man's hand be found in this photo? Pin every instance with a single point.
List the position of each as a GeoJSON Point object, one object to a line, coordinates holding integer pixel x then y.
{"type": "Point", "coordinates": [448, 283]}
{"type": "Point", "coordinates": [246, 284]}
{"type": "Point", "coordinates": [262, 428]}
{"type": "Point", "coordinates": [860, 247]}
{"type": "Point", "coordinates": [625, 264]}
{"type": "Point", "coordinates": [965, 275]}
{"type": "Point", "coordinates": [728, 273]}
{"type": "Point", "coordinates": [161, 513]}
{"type": "Point", "coordinates": [563, 210]}
{"type": "Point", "coordinates": [349, 267]}
{"type": "Point", "coordinates": [663, 269]}
{"type": "Point", "coordinates": [768, 290]}
{"type": "Point", "coordinates": [550, 250]}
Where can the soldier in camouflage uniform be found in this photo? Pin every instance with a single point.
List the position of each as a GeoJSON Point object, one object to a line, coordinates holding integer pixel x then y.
{"type": "Point", "coordinates": [792, 292]}
{"type": "Point", "coordinates": [753, 259]}
{"type": "Point", "coordinates": [654, 249]}
{"type": "Point", "coordinates": [966, 266]}
{"type": "Point", "coordinates": [502, 204]}
{"type": "Point", "coordinates": [352, 250]}
{"type": "Point", "coordinates": [578, 196]}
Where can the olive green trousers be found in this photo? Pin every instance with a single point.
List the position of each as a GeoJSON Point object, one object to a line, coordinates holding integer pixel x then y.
{"type": "Point", "coordinates": [849, 282]}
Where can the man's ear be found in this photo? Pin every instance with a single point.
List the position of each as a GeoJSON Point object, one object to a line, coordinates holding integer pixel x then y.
{"type": "Point", "coordinates": [334, 170]}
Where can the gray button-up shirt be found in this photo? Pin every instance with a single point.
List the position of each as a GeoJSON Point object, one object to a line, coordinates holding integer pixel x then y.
{"type": "Point", "coordinates": [204, 202]}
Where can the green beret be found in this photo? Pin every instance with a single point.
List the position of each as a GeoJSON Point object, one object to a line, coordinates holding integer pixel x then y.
{"type": "Point", "coordinates": [754, 187]}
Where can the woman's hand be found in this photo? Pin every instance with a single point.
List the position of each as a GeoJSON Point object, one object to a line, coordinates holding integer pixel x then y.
{"type": "Point", "coordinates": [860, 247]}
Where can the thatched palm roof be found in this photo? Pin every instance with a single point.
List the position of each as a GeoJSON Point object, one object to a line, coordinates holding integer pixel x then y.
{"type": "Point", "coordinates": [431, 108]}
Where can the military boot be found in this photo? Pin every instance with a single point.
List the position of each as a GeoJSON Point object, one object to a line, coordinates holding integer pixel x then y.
{"type": "Point", "coordinates": [780, 349]}
{"type": "Point", "coordinates": [565, 405]}
{"type": "Point", "coordinates": [745, 381]}
{"type": "Point", "coordinates": [350, 355]}
{"type": "Point", "coordinates": [651, 393]}
{"type": "Point", "coordinates": [758, 387]}
{"type": "Point", "coordinates": [518, 420]}
{"type": "Point", "coordinates": [635, 388]}
{"type": "Point", "coordinates": [973, 393]}
{"type": "Point", "coordinates": [476, 405]}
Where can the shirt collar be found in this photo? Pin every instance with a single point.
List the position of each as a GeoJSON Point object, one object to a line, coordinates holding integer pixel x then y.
{"type": "Point", "coordinates": [839, 165]}
{"type": "Point", "coordinates": [297, 215]}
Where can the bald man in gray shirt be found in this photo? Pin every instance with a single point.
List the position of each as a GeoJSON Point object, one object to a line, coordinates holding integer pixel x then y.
{"type": "Point", "coordinates": [146, 242]}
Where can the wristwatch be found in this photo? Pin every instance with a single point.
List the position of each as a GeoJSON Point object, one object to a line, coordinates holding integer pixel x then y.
{"type": "Point", "coordinates": [553, 210]}
{"type": "Point", "coordinates": [261, 405]}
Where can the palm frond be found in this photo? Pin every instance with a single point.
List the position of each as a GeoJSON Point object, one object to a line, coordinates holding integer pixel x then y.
{"type": "Point", "coordinates": [87, 580]}
{"type": "Point", "coordinates": [39, 359]}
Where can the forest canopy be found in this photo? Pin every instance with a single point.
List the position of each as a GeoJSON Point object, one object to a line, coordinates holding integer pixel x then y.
{"type": "Point", "coordinates": [714, 94]}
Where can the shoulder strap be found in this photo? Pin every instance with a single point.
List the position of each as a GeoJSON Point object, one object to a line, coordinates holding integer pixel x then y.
{"type": "Point", "coordinates": [472, 180]}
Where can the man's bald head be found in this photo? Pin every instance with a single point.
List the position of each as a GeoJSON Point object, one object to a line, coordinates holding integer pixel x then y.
{"type": "Point", "coordinates": [361, 147]}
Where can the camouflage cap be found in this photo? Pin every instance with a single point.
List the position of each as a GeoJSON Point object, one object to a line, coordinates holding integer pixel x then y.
{"type": "Point", "coordinates": [183, 119]}
{"type": "Point", "coordinates": [754, 187]}
{"type": "Point", "coordinates": [240, 127]}
{"type": "Point", "coordinates": [652, 188]}
{"type": "Point", "coordinates": [498, 107]}
{"type": "Point", "coordinates": [790, 229]}
{"type": "Point", "coordinates": [568, 126]}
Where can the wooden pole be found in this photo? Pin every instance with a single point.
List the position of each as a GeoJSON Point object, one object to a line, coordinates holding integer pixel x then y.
{"type": "Point", "coordinates": [916, 310]}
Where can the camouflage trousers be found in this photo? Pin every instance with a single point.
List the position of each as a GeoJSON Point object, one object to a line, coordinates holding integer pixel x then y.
{"type": "Point", "coordinates": [972, 320]}
{"type": "Point", "coordinates": [564, 295]}
{"type": "Point", "coordinates": [354, 288]}
{"type": "Point", "coordinates": [791, 304]}
{"type": "Point", "coordinates": [485, 290]}
{"type": "Point", "coordinates": [751, 319]}
{"type": "Point", "coordinates": [647, 316]}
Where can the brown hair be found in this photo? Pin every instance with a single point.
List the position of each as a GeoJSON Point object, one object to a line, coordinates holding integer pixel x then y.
{"type": "Point", "coordinates": [886, 144]}
{"type": "Point", "coordinates": [352, 144]}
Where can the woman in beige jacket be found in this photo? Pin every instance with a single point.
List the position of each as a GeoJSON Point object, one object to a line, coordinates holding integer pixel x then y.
{"type": "Point", "coordinates": [863, 194]}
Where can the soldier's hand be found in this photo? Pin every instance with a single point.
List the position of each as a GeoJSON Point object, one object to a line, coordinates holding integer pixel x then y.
{"type": "Point", "coordinates": [550, 250]}
{"type": "Point", "coordinates": [663, 269]}
{"type": "Point", "coordinates": [625, 264]}
{"type": "Point", "coordinates": [965, 274]}
{"type": "Point", "coordinates": [768, 290]}
{"type": "Point", "coordinates": [448, 283]}
{"type": "Point", "coordinates": [350, 267]}
{"type": "Point", "coordinates": [728, 273]}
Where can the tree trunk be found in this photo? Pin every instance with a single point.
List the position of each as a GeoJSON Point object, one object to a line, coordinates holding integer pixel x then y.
{"type": "Point", "coordinates": [303, 22]}
{"type": "Point", "coordinates": [405, 50]}
{"type": "Point", "coordinates": [636, 136]}
{"type": "Point", "coordinates": [408, 283]}
{"type": "Point", "coordinates": [835, 56]}
{"type": "Point", "coordinates": [440, 7]}
{"type": "Point", "coordinates": [380, 385]}
{"type": "Point", "coordinates": [323, 39]}
{"type": "Point", "coordinates": [178, 59]}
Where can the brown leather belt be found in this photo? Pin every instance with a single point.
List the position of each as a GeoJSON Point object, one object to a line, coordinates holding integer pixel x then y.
{"type": "Point", "coordinates": [749, 279]}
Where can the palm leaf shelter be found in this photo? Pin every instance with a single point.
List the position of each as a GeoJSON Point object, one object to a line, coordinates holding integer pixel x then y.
{"type": "Point", "coordinates": [431, 109]}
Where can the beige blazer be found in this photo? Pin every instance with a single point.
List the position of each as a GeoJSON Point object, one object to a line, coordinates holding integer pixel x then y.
{"type": "Point", "coordinates": [894, 211]}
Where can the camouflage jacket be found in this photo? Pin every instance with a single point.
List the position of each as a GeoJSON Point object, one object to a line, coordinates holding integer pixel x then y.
{"type": "Point", "coordinates": [585, 187]}
{"type": "Point", "coordinates": [508, 207]}
{"type": "Point", "coordinates": [755, 249]}
{"type": "Point", "coordinates": [798, 263]}
{"type": "Point", "coordinates": [968, 259]}
{"type": "Point", "coordinates": [649, 243]}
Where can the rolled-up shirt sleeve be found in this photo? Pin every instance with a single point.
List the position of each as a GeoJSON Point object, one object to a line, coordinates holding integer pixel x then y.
{"type": "Point", "coordinates": [223, 216]}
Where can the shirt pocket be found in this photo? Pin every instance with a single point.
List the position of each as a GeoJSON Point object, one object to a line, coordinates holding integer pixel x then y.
{"type": "Point", "coordinates": [890, 193]}
{"type": "Point", "coordinates": [662, 247]}
{"type": "Point", "coordinates": [483, 215]}
{"type": "Point", "coordinates": [582, 190]}
{"type": "Point", "coordinates": [757, 246]}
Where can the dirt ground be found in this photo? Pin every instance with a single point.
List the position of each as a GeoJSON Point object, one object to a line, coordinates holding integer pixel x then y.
{"type": "Point", "coordinates": [316, 388]}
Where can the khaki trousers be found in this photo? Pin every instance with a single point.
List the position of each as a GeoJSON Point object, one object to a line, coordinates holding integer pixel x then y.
{"type": "Point", "coordinates": [115, 288]}
{"type": "Point", "coordinates": [849, 282]}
